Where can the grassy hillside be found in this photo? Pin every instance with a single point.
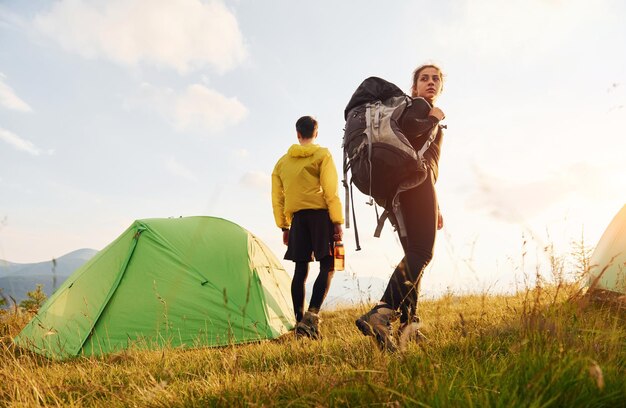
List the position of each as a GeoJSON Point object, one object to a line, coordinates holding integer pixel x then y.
{"type": "Point", "coordinates": [543, 348]}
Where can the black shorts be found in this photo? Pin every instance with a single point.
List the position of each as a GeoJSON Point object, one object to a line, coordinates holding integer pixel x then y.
{"type": "Point", "coordinates": [310, 236]}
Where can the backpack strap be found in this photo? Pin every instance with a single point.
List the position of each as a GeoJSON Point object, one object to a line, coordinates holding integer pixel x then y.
{"type": "Point", "coordinates": [431, 139]}
{"type": "Point", "coordinates": [356, 230]}
{"type": "Point", "coordinates": [345, 187]}
{"type": "Point", "coordinates": [396, 211]}
{"type": "Point", "coordinates": [381, 223]}
{"type": "Point", "coordinates": [349, 197]}
{"type": "Point", "coordinates": [369, 128]}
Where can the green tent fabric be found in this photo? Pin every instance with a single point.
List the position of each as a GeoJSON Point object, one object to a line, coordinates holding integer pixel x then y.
{"type": "Point", "coordinates": [179, 282]}
{"type": "Point", "coordinates": [608, 261]}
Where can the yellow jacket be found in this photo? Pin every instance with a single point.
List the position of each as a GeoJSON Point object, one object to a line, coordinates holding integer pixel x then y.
{"type": "Point", "coordinates": [305, 178]}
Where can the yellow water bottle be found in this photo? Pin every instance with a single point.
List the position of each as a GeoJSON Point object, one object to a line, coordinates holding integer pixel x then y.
{"type": "Point", "coordinates": [340, 256]}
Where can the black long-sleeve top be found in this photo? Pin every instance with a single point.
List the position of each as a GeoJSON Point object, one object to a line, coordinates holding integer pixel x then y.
{"type": "Point", "coordinates": [418, 127]}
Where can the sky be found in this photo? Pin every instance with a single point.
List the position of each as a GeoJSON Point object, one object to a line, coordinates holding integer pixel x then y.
{"type": "Point", "coordinates": [112, 111]}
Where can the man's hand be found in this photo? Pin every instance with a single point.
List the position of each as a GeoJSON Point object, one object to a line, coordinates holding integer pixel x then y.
{"type": "Point", "coordinates": [286, 237]}
{"type": "Point", "coordinates": [439, 220]}
{"type": "Point", "coordinates": [338, 233]}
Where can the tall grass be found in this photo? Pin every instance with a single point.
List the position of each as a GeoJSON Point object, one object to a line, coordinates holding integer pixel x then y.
{"type": "Point", "coordinates": [536, 348]}
{"type": "Point", "coordinates": [545, 346]}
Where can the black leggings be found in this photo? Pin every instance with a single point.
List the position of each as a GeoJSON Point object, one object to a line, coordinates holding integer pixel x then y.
{"type": "Point", "coordinates": [320, 287]}
{"type": "Point", "coordinates": [419, 209]}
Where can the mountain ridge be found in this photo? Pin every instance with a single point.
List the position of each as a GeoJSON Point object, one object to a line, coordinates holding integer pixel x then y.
{"type": "Point", "coordinates": [16, 279]}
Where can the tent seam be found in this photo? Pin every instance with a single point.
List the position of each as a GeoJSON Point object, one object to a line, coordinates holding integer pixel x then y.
{"type": "Point", "coordinates": [116, 284]}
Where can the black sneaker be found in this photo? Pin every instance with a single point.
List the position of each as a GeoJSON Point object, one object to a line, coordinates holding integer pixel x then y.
{"type": "Point", "coordinates": [309, 326]}
{"type": "Point", "coordinates": [377, 323]}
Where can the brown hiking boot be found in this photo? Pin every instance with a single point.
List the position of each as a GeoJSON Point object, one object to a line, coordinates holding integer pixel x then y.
{"type": "Point", "coordinates": [309, 326]}
{"type": "Point", "coordinates": [409, 331]}
{"type": "Point", "coordinates": [377, 323]}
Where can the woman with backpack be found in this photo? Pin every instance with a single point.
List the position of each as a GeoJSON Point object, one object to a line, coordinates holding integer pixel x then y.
{"type": "Point", "coordinates": [421, 216]}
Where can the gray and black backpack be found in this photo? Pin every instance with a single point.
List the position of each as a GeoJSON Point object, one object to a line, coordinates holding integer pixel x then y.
{"type": "Point", "coordinates": [380, 158]}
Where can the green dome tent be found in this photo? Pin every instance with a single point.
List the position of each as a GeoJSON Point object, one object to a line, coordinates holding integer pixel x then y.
{"type": "Point", "coordinates": [179, 282]}
{"type": "Point", "coordinates": [608, 262]}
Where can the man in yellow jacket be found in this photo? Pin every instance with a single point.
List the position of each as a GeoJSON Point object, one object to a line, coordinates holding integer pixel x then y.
{"type": "Point", "coordinates": [307, 208]}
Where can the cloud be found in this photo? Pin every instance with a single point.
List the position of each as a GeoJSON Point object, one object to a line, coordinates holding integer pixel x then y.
{"type": "Point", "coordinates": [197, 108]}
{"type": "Point", "coordinates": [518, 201]}
{"type": "Point", "coordinates": [515, 28]}
{"type": "Point", "coordinates": [19, 143]}
{"type": "Point", "coordinates": [615, 98]}
{"type": "Point", "coordinates": [181, 34]}
{"type": "Point", "coordinates": [206, 108]}
{"type": "Point", "coordinates": [9, 99]}
{"type": "Point", "coordinates": [10, 20]}
{"type": "Point", "coordinates": [180, 170]}
{"type": "Point", "coordinates": [256, 180]}
{"type": "Point", "coordinates": [241, 153]}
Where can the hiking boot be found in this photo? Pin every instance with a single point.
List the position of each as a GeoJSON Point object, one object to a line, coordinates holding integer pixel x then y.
{"type": "Point", "coordinates": [309, 326]}
{"type": "Point", "coordinates": [377, 323]}
{"type": "Point", "coordinates": [409, 331]}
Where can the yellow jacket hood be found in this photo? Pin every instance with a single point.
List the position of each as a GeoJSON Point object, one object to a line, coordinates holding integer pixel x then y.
{"type": "Point", "coordinates": [297, 150]}
{"type": "Point", "coordinates": [305, 178]}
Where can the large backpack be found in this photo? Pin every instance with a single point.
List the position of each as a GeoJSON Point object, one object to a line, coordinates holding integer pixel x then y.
{"type": "Point", "coordinates": [380, 158]}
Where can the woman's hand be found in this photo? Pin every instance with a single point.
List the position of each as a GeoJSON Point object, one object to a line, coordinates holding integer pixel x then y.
{"type": "Point", "coordinates": [436, 112]}
{"type": "Point", "coordinates": [286, 237]}
{"type": "Point", "coordinates": [439, 220]}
